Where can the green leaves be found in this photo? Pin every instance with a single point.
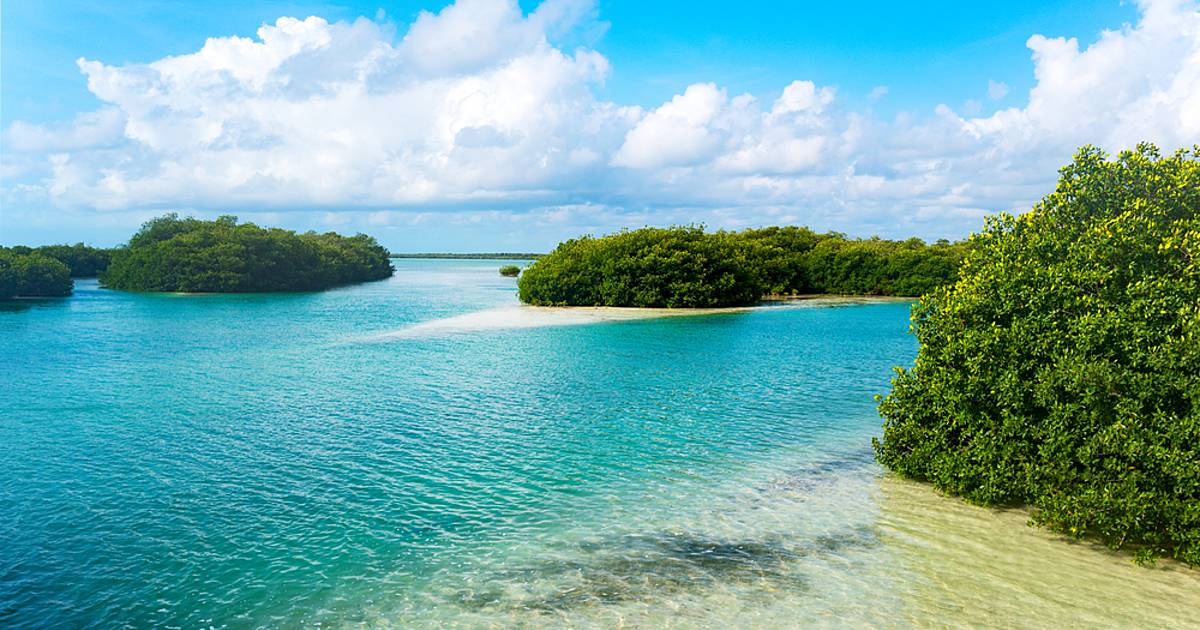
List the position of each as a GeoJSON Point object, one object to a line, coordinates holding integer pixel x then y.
{"type": "Point", "coordinates": [1062, 369]}
{"type": "Point", "coordinates": [223, 256]}
{"type": "Point", "coordinates": [684, 267]}
{"type": "Point", "coordinates": [32, 275]}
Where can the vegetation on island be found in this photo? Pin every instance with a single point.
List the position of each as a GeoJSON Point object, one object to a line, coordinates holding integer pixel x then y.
{"type": "Point", "coordinates": [82, 260]}
{"type": "Point", "coordinates": [1062, 369]}
{"type": "Point", "coordinates": [27, 273]}
{"type": "Point", "coordinates": [686, 267]}
{"type": "Point", "coordinates": [510, 271]}
{"type": "Point", "coordinates": [223, 256]}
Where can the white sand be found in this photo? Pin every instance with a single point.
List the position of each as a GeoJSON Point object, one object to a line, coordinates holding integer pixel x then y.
{"type": "Point", "coordinates": [516, 317]}
{"type": "Point", "coordinates": [523, 316]}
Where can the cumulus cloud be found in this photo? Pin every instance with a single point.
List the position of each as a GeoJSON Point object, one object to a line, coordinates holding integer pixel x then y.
{"type": "Point", "coordinates": [478, 109]}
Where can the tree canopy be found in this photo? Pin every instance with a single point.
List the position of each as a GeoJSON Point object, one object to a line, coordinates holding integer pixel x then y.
{"type": "Point", "coordinates": [82, 260]}
{"type": "Point", "coordinates": [32, 274]}
{"type": "Point", "coordinates": [1062, 369]}
{"type": "Point", "coordinates": [224, 256]}
{"type": "Point", "coordinates": [652, 267]}
{"type": "Point", "coordinates": [683, 267]}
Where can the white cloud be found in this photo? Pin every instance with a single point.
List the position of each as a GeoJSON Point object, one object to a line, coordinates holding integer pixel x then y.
{"type": "Point", "coordinates": [684, 131]}
{"type": "Point", "coordinates": [1139, 83]}
{"type": "Point", "coordinates": [878, 92]}
{"type": "Point", "coordinates": [475, 112]}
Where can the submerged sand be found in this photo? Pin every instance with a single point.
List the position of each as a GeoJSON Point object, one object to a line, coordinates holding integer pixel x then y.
{"type": "Point", "coordinates": [525, 316]}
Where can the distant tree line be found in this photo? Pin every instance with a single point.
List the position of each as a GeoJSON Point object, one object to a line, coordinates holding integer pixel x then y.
{"type": "Point", "coordinates": [223, 256]}
{"type": "Point", "coordinates": [686, 267]}
{"type": "Point", "coordinates": [82, 260]}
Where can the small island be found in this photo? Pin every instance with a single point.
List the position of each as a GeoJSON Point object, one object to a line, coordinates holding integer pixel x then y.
{"type": "Point", "coordinates": [47, 271]}
{"type": "Point", "coordinates": [686, 267]}
{"type": "Point", "coordinates": [28, 273]}
{"type": "Point", "coordinates": [510, 271]}
{"type": "Point", "coordinates": [190, 255]}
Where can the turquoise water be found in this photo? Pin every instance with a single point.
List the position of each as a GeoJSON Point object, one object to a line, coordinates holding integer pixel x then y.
{"type": "Point", "coordinates": [287, 460]}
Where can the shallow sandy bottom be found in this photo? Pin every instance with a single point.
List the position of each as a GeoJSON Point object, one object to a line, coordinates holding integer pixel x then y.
{"type": "Point", "coordinates": [523, 316]}
{"type": "Point", "coordinates": [835, 545]}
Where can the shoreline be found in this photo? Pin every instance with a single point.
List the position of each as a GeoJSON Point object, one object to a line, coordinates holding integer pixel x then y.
{"type": "Point", "coordinates": [766, 302]}
{"type": "Point", "coordinates": [805, 297]}
{"type": "Point", "coordinates": [525, 316]}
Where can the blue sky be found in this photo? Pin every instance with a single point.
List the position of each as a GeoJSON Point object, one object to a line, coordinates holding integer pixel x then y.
{"type": "Point", "coordinates": [899, 74]}
{"type": "Point", "coordinates": [927, 53]}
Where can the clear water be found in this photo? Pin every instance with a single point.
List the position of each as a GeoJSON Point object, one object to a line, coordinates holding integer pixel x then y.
{"type": "Point", "coordinates": [334, 459]}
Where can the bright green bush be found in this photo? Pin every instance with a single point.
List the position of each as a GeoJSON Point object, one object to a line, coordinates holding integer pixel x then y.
{"type": "Point", "coordinates": [510, 271]}
{"type": "Point", "coordinates": [686, 267]}
{"type": "Point", "coordinates": [32, 275]}
{"type": "Point", "coordinates": [223, 256]}
{"type": "Point", "coordinates": [1062, 370]}
{"type": "Point", "coordinates": [678, 267]}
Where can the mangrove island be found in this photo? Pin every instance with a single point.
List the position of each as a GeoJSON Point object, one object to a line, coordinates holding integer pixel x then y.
{"type": "Point", "coordinates": [190, 255]}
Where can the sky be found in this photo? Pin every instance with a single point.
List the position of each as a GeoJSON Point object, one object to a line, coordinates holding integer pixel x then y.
{"type": "Point", "coordinates": [492, 125]}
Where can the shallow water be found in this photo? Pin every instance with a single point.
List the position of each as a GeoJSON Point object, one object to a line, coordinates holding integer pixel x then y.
{"type": "Point", "coordinates": [383, 455]}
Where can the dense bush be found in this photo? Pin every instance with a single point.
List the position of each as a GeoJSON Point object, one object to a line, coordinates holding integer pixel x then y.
{"type": "Point", "coordinates": [651, 267]}
{"type": "Point", "coordinates": [796, 260]}
{"type": "Point", "coordinates": [510, 271]}
{"type": "Point", "coordinates": [687, 267]}
{"type": "Point", "coordinates": [83, 261]}
{"type": "Point", "coordinates": [223, 256]}
{"type": "Point", "coordinates": [1062, 370]}
{"type": "Point", "coordinates": [32, 275]}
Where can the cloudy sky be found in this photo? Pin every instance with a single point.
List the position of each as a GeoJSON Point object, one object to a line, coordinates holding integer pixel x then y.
{"type": "Point", "coordinates": [493, 125]}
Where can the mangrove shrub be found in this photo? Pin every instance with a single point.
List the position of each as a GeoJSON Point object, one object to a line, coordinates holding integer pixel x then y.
{"type": "Point", "coordinates": [1062, 369]}
{"type": "Point", "coordinates": [224, 256]}
{"type": "Point", "coordinates": [32, 275]}
{"type": "Point", "coordinates": [82, 260]}
{"type": "Point", "coordinates": [686, 267]}
{"type": "Point", "coordinates": [680, 267]}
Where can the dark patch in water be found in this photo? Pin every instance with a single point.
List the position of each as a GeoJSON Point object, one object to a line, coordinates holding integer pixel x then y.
{"type": "Point", "coordinates": [649, 567]}
{"type": "Point", "coordinates": [810, 478]}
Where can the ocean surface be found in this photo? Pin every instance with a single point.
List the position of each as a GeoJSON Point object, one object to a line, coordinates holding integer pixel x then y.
{"type": "Point", "coordinates": [419, 452]}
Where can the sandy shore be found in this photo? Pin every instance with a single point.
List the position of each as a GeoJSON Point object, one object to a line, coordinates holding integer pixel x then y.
{"type": "Point", "coordinates": [525, 316]}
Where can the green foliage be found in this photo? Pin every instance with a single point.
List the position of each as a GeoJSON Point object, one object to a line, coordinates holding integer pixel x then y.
{"type": "Point", "coordinates": [1062, 370]}
{"type": "Point", "coordinates": [678, 267]}
{"type": "Point", "coordinates": [223, 256]}
{"type": "Point", "coordinates": [685, 267]}
{"type": "Point", "coordinates": [510, 271]}
{"type": "Point", "coordinates": [24, 273]}
{"type": "Point", "coordinates": [83, 261]}
{"type": "Point", "coordinates": [796, 260]}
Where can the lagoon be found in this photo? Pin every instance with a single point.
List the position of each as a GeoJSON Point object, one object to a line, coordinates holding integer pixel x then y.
{"type": "Point", "coordinates": [362, 457]}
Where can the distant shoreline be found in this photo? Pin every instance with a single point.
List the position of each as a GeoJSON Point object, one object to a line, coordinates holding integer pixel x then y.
{"type": "Point", "coordinates": [840, 297]}
{"type": "Point", "coordinates": [480, 256]}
